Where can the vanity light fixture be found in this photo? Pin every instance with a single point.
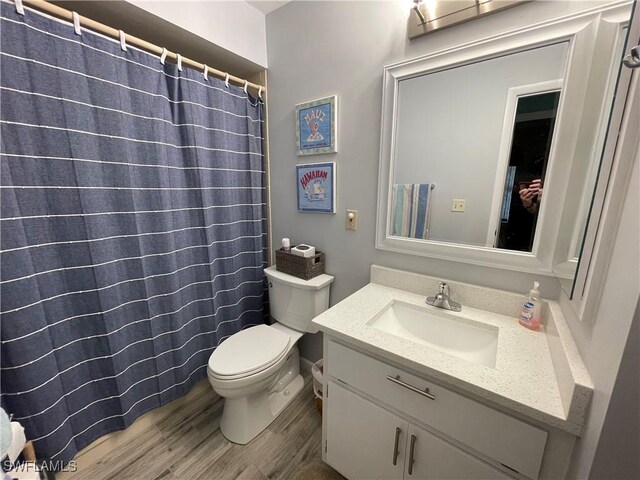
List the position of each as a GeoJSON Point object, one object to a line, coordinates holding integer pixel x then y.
{"type": "Point", "coordinates": [431, 15]}
{"type": "Point", "coordinates": [416, 8]}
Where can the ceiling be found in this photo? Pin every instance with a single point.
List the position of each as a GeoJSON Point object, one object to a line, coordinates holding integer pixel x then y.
{"type": "Point", "coordinates": [267, 6]}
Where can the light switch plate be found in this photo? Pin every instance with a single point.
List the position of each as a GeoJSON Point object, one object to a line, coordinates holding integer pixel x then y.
{"type": "Point", "coordinates": [351, 220]}
{"type": "Point", "coordinates": [457, 205]}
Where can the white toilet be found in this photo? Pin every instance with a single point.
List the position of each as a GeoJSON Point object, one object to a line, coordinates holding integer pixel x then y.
{"type": "Point", "coordinates": [257, 370]}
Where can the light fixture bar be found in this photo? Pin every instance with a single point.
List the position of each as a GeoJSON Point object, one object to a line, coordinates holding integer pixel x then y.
{"type": "Point", "coordinates": [437, 14]}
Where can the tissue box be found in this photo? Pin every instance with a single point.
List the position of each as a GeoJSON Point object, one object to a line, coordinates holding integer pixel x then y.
{"type": "Point", "coordinates": [303, 250]}
{"type": "Point", "coordinates": [301, 267]}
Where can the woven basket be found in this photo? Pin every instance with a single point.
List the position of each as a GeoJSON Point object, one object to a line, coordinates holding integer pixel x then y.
{"type": "Point", "coordinates": [301, 267]}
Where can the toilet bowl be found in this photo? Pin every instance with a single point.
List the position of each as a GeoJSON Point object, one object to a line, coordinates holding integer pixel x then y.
{"type": "Point", "coordinates": [257, 370]}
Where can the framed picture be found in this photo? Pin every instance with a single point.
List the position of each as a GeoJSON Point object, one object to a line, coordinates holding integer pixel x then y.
{"type": "Point", "coordinates": [316, 187]}
{"type": "Point", "coordinates": [316, 125]}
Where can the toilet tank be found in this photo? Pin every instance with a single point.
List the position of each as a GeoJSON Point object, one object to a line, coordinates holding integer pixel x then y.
{"type": "Point", "coordinates": [294, 302]}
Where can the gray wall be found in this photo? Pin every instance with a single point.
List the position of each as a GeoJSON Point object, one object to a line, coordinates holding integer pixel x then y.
{"type": "Point", "coordinates": [449, 131]}
{"type": "Point", "coordinates": [316, 49]}
{"type": "Point", "coordinates": [602, 343]}
{"type": "Point", "coordinates": [617, 455]}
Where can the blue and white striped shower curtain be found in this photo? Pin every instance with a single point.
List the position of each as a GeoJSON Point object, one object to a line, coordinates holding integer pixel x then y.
{"type": "Point", "coordinates": [133, 229]}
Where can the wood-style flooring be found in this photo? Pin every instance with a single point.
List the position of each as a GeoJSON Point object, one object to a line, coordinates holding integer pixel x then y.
{"type": "Point", "coordinates": [189, 445]}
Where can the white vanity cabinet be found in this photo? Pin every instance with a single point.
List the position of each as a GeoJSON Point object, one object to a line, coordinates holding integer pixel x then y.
{"type": "Point", "coordinates": [365, 441]}
{"type": "Point", "coordinates": [430, 457]}
{"type": "Point", "coordinates": [375, 411]}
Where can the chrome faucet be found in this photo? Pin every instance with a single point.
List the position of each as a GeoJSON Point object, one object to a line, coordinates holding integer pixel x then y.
{"type": "Point", "coordinates": [441, 300]}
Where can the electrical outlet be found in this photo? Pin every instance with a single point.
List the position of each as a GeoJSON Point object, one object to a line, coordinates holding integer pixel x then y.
{"type": "Point", "coordinates": [351, 220]}
{"type": "Point", "coordinates": [457, 205]}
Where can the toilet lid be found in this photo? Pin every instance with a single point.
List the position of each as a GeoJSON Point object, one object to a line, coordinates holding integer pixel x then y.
{"type": "Point", "coordinates": [248, 351]}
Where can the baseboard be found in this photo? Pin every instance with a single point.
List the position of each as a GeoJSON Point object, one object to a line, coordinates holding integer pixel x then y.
{"type": "Point", "coordinates": [305, 365]}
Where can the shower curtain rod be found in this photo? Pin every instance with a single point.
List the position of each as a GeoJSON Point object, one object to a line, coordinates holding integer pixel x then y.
{"type": "Point", "coordinates": [135, 41]}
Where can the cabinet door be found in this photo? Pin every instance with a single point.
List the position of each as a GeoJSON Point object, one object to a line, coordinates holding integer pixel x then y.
{"type": "Point", "coordinates": [429, 457]}
{"type": "Point", "coordinates": [364, 441]}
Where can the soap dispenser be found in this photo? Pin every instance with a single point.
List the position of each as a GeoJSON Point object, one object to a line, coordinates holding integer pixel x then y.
{"type": "Point", "coordinates": [531, 310]}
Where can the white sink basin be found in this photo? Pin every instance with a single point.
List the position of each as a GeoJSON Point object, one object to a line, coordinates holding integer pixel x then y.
{"type": "Point", "coordinates": [437, 329]}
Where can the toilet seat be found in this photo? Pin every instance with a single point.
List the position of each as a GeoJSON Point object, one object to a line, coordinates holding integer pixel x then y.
{"type": "Point", "coordinates": [248, 352]}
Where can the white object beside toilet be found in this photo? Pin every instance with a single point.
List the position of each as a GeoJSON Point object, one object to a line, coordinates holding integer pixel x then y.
{"type": "Point", "coordinates": [257, 370]}
{"type": "Point", "coordinates": [303, 250]}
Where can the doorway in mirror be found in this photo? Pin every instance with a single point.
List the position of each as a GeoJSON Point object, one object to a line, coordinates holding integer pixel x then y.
{"type": "Point", "coordinates": [524, 179]}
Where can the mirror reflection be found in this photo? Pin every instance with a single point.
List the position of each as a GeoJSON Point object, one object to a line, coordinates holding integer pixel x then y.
{"type": "Point", "coordinates": [524, 180]}
{"type": "Point", "coordinates": [473, 145]}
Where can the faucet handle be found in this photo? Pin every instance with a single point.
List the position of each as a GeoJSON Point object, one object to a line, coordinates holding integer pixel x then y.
{"type": "Point", "coordinates": [441, 299]}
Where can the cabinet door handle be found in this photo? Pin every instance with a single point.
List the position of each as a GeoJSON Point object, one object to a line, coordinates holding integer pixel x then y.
{"type": "Point", "coordinates": [396, 451]}
{"type": "Point", "coordinates": [411, 449]}
{"type": "Point", "coordinates": [424, 393]}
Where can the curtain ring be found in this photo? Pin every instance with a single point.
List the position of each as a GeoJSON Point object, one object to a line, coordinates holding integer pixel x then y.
{"type": "Point", "coordinates": [19, 7]}
{"type": "Point", "coordinates": [76, 23]}
{"type": "Point", "coordinates": [163, 57]}
{"type": "Point", "coordinates": [179, 58]}
{"type": "Point", "coordinates": [123, 41]}
{"type": "Point", "coordinates": [226, 80]}
{"type": "Point", "coordinates": [206, 72]}
{"type": "Point", "coordinates": [246, 84]}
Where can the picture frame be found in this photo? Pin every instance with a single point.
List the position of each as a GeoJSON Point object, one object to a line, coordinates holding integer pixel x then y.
{"type": "Point", "coordinates": [316, 187]}
{"type": "Point", "coordinates": [316, 126]}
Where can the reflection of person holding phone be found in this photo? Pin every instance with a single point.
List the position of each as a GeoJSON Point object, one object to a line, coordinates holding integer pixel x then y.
{"type": "Point", "coordinates": [531, 195]}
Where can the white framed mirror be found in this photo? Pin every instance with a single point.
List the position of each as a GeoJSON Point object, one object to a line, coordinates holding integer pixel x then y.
{"type": "Point", "coordinates": [603, 79]}
{"type": "Point", "coordinates": [480, 144]}
{"type": "Point", "coordinates": [620, 152]}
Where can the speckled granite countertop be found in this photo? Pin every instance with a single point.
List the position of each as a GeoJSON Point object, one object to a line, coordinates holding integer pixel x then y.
{"type": "Point", "coordinates": [523, 380]}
